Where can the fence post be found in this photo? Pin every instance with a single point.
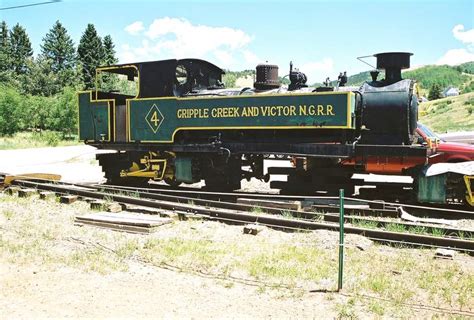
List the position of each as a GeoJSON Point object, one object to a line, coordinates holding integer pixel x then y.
{"type": "Point", "coordinates": [341, 239]}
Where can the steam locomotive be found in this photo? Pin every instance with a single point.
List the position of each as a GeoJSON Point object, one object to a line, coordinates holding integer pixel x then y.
{"type": "Point", "coordinates": [182, 125]}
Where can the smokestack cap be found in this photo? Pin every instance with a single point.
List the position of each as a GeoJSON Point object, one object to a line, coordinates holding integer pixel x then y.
{"type": "Point", "coordinates": [393, 60]}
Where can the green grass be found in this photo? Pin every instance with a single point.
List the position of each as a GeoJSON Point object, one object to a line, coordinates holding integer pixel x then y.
{"type": "Point", "coordinates": [449, 114]}
{"type": "Point", "coordinates": [22, 140]}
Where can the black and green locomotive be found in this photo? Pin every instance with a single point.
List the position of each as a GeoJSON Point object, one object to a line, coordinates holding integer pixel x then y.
{"type": "Point", "coordinates": [182, 125]}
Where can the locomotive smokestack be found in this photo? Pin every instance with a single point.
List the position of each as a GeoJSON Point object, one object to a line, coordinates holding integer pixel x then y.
{"type": "Point", "coordinates": [267, 77]}
{"type": "Point", "coordinates": [393, 63]}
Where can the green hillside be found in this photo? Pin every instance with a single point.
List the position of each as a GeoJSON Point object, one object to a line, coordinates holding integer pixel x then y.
{"type": "Point", "coordinates": [449, 114]}
{"type": "Point", "coordinates": [467, 67]}
{"type": "Point", "coordinates": [458, 76]}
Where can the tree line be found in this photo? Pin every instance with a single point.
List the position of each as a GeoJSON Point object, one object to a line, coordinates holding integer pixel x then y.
{"type": "Point", "coordinates": [40, 92]}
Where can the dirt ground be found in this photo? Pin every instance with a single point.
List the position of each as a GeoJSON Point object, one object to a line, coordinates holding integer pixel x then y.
{"type": "Point", "coordinates": [142, 293]}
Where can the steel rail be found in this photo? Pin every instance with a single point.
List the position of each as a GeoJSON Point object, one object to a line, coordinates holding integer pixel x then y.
{"type": "Point", "coordinates": [302, 214]}
{"type": "Point", "coordinates": [243, 217]}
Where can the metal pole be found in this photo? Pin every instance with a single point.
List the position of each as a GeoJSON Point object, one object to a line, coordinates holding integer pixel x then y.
{"type": "Point", "coordinates": [341, 238]}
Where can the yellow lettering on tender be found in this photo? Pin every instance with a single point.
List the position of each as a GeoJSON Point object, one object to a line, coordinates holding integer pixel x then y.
{"type": "Point", "coordinates": [303, 111]}
{"type": "Point", "coordinates": [329, 110]}
{"type": "Point", "coordinates": [292, 110]}
{"type": "Point", "coordinates": [321, 110]}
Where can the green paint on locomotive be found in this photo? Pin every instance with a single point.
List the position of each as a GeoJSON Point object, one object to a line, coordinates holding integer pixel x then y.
{"type": "Point", "coordinates": [94, 118]}
{"type": "Point", "coordinates": [159, 119]}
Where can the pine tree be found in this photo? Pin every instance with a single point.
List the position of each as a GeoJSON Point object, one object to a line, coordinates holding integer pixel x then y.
{"type": "Point", "coordinates": [4, 46]}
{"type": "Point", "coordinates": [108, 81]}
{"type": "Point", "coordinates": [91, 54]}
{"type": "Point", "coordinates": [20, 49]}
{"type": "Point", "coordinates": [58, 47]}
{"type": "Point", "coordinates": [5, 64]}
{"type": "Point", "coordinates": [435, 92]}
{"type": "Point", "coordinates": [109, 51]}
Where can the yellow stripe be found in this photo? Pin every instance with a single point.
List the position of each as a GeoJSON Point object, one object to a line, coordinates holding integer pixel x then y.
{"type": "Point", "coordinates": [347, 126]}
{"type": "Point", "coordinates": [108, 109]}
{"type": "Point", "coordinates": [250, 96]}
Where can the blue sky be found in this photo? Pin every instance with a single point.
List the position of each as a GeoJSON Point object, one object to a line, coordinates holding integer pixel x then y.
{"type": "Point", "coordinates": [320, 37]}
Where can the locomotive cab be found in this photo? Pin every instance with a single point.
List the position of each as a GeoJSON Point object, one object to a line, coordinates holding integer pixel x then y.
{"type": "Point", "coordinates": [167, 78]}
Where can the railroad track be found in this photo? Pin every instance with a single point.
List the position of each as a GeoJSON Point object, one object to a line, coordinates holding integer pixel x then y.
{"type": "Point", "coordinates": [225, 211]}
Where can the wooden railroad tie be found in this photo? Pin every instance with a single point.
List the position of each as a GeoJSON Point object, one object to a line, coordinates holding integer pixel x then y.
{"type": "Point", "coordinates": [13, 190]}
{"type": "Point", "coordinates": [107, 206]}
{"type": "Point", "coordinates": [68, 199]}
{"type": "Point", "coordinates": [26, 193]}
{"type": "Point", "coordinates": [47, 195]}
{"type": "Point", "coordinates": [253, 229]}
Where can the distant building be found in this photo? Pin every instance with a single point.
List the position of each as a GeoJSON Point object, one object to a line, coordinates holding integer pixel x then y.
{"type": "Point", "coordinates": [423, 99]}
{"type": "Point", "coordinates": [451, 91]}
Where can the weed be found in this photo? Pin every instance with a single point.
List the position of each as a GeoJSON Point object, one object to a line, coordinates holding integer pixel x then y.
{"type": "Point", "coordinates": [377, 307]}
{"type": "Point", "coordinates": [437, 232]}
{"type": "Point", "coordinates": [346, 310]}
{"type": "Point", "coordinates": [287, 214]}
{"type": "Point", "coordinates": [395, 227]}
{"type": "Point", "coordinates": [8, 214]}
{"type": "Point", "coordinates": [378, 283]}
{"type": "Point", "coordinates": [368, 224]}
{"type": "Point", "coordinates": [257, 210]}
{"type": "Point", "coordinates": [417, 229]}
{"type": "Point", "coordinates": [127, 249]}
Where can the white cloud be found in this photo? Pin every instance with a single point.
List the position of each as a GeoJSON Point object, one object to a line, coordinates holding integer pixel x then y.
{"type": "Point", "coordinates": [463, 36]}
{"type": "Point", "coordinates": [135, 28]}
{"type": "Point", "coordinates": [178, 38]}
{"type": "Point", "coordinates": [224, 57]}
{"type": "Point", "coordinates": [250, 57]}
{"type": "Point", "coordinates": [317, 71]}
{"type": "Point", "coordinates": [456, 56]}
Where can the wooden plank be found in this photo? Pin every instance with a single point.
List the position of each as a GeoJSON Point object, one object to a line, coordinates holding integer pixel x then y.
{"type": "Point", "coordinates": [117, 227]}
{"type": "Point", "coordinates": [288, 205]}
{"type": "Point", "coordinates": [126, 219]}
